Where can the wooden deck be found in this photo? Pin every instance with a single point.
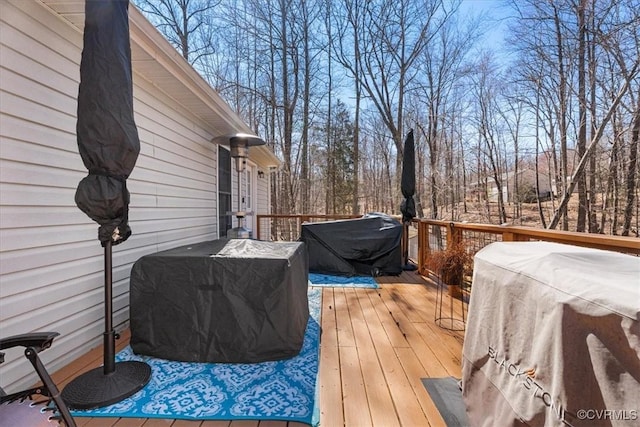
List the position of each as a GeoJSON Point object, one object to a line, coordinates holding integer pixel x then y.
{"type": "Point", "coordinates": [376, 345]}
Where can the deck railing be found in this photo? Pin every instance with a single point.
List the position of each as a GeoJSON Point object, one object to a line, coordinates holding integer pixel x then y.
{"type": "Point", "coordinates": [287, 227]}
{"type": "Point", "coordinates": [428, 235]}
{"type": "Point", "coordinates": [435, 235]}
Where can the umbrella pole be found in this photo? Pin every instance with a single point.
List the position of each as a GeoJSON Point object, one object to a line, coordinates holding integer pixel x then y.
{"type": "Point", "coordinates": [407, 266]}
{"type": "Point", "coordinates": [405, 243]}
{"type": "Point", "coordinates": [109, 334]}
{"type": "Point", "coordinates": [113, 381]}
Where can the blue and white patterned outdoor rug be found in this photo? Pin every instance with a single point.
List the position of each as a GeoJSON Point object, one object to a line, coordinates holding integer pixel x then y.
{"type": "Point", "coordinates": [329, 280]}
{"type": "Point", "coordinates": [284, 390]}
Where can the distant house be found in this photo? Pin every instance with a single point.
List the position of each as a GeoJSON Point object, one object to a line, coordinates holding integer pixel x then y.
{"type": "Point", "coordinates": [547, 184]}
{"type": "Point", "coordinates": [51, 263]}
{"type": "Point", "coordinates": [526, 184]}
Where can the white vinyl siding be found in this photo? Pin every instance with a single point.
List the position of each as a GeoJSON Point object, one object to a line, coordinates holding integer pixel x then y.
{"type": "Point", "coordinates": [51, 263]}
{"type": "Point", "coordinates": [173, 185]}
{"type": "Point", "coordinates": [48, 266]}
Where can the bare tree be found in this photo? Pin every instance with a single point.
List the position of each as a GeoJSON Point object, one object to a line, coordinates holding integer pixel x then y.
{"type": "Point", "coordinates": [309, 15]}
{"type": "Point", "coordinates": [486, 94]}
{"type": "Point", "coordinates": [582, 112]}
{"type": "Point", "coordinates": [442, 71]}
{"type": "Point", "coordinates": [512, 115]}
{"type": "Point", "coordinates": [632, 173]}
{"type": "Point", "coordinates": [345, 22]}
{"type": "Point", "coordinates": [562, 208]}
{"type": "Point", "coordinates": [543, 34]}
{"type": "Point", "coordinates": [388, 38]}
{"type": "Point", "coordinates": [185, 23]}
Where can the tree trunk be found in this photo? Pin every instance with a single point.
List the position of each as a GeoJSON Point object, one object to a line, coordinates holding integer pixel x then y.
{"type": "Point", "coordinates": [611, 178]}
{"type": "Point", "coordinates": [631, 173]}
{"type": "Point", "coordinates": [356, 153]}
{"type": "Point", "coordinates": [540, 211]}
{"type": "Point", "coordinates": [593, 220]}
{"type": "Point", "coordinates": [562, 95]}
{"type": "Point", "coordinates": [306, 100]}
{"type": "Point", "coordinates": [582, 117]}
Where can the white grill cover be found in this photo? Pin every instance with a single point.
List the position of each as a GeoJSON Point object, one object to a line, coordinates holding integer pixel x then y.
{"type": "Point", "coordinates": [553, 337]}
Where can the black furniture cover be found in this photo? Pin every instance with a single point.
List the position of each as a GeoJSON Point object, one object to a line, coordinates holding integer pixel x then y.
{"type": "Point", "coordinates": [223, 301]}
{"type": "Point", "coordinates": [367, 246]}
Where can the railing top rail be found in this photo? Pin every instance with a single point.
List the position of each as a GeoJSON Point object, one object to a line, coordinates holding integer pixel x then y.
{"type": "Point", "coordinates": [624, 244]}
{"type": "Point", "coordinates": [337, 216]}
{"type": "Point", "coordinates": [324, 216]}
{"type": "Point", "coordinates": [618, 243]}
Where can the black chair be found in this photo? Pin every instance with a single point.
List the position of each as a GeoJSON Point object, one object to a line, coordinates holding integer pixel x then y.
{"type": "Point", "coordinates": [37, 406]}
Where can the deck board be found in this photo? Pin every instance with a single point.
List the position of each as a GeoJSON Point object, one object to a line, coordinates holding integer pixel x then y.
{"type": "Point", "coordinates": [330, 382]}
{"type": "Point", "coordinates": [415, 371]}
{"type": "Point", "coordinates": [378, 395]}
{"type": "Point", "coordinates": [385, 317]}
{"type": "Point", "coordinates": [354, 399]}
{"type": "Point", "coordinates": [376, 345]}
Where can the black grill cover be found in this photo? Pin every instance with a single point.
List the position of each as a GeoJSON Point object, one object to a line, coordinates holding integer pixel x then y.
{"type": "Point", "coordinates": [367, 246]}
{"type": "Point", "coordinates": [227, 301]}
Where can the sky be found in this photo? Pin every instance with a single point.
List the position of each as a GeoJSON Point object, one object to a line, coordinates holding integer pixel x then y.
{"type": "Point", "coordinates": [496, 13]}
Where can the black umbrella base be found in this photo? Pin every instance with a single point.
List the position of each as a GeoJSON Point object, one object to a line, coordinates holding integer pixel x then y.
{"type": "Point", "coordinates": [409, 267]}
{"type": "Point", "coordinates": [95, 389]}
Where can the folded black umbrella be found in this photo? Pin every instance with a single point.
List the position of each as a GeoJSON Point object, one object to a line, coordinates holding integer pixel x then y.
{"type": "Point", "coordinates": [109, 145]}
{"type": "Point", "coordinates": [107, 135]}
{"type": "Point", "coordinates": [408, 179]}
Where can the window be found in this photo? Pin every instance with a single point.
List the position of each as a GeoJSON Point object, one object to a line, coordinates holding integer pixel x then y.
{"type": "Point", "coordinates": [224, 191]}
{"type": "Point", "coordinates": [248, 190]}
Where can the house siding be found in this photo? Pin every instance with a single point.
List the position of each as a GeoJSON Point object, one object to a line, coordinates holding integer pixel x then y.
{"type": "Point", "coordinates": [52, 265]}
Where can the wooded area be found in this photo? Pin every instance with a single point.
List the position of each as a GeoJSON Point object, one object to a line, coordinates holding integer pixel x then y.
{"type": "Point", "coordinates": [548, 116]}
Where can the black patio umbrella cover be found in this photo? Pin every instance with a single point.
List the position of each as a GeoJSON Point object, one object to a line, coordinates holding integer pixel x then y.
{"type": "Point", "coordinates": [408, 179]}
{"type": "Point", "coordinates": [109, 145]}
{"type": "Point", "coordinates": [408, 188]}
{"type": "Point", "coordinates": [107, 135]}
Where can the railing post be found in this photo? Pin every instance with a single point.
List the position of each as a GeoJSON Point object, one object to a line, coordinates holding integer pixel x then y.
{"type": "Point", "coordinates": [454, 235]}
{"type": "Point", "coordinates": [423, 246]}
{"type": "Point", "coordinates": [513, 237]}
